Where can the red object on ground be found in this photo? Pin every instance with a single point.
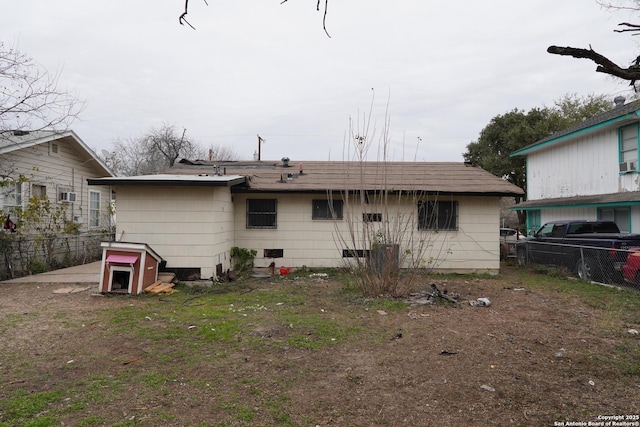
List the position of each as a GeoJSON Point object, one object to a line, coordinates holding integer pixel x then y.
{"type": "Point", "coordinates": [284, 270]}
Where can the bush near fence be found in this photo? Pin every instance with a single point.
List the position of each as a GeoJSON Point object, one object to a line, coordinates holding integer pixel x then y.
{"type": "Point", "coordinates": [23, 255]}
{"type": "Point", "coordinates": [599, 264]}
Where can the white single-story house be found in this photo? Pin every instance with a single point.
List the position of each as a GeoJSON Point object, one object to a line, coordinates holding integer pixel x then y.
{"type": "Point", "coordinates": [313, 213]}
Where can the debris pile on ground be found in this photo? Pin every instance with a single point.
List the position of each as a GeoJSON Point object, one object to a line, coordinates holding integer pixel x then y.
{"type": "Point", "coordinates": [159, 287]}
{"type": "Point", "coordinates": [480, 302]}
{"type": "Point", "coordinates": [429, 296]}
{"type": "Point", "coordinates": [163, 286]}
{"type": "Point", "coordinates": [319, 277]}
{"type": "Point", "coordinates": [436, 293]}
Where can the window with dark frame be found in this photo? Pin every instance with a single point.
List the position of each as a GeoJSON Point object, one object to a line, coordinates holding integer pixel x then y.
{"type": "Point", "coordinates": [273, 253]}
{"type": "Point", "coordinates": [438, 215]}
{"type": "Point", "coordinates": [324, 209]}
{"type": "Point", "coordinates": [262, 213]}
{"type": "Point", "coordinates": [372, 217]}
{"type": "Point", "coordinates": [355, 253]}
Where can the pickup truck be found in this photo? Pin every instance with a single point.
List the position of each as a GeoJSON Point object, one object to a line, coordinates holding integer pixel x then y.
{"type": "Point", "coordinates": [594, 250]}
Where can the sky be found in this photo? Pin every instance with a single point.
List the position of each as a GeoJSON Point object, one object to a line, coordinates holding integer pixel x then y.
{"type": "Point", "coordinates": [419, 78]}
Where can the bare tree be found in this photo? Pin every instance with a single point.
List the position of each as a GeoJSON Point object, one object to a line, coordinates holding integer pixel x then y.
{"type": "Point", "coordinates": [168, 144]}
{"type": "Point", "coordinates": [219, 152]}
{"type": "Point", "coordinates": [129, 158]}
{"type": "Point", "coordinates": [381, 226]}
{"type": "Point", "coordinates": [29, 96]}
{"type": "Point", "coordinates": [158, 150]}
{"type": "Point", "coordinates": [30, 100]}
{"type": "Point", "coordinates": [630, 73]}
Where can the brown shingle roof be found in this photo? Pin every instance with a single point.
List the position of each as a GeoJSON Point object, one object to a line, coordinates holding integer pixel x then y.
{"type": "Point", "coordinates": [432, 177]}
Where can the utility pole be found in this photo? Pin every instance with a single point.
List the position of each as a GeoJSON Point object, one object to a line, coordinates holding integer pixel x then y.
{"type": "Point", "coordinates": [260, 141]}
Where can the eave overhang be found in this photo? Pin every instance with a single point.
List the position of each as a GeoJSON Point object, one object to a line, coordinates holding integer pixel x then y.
{"type": "Point", "coordinates": [630, 113]}
{"type": "Point", "coordinates": [171, 181]}
{"type": "Point", "coordinates": [245, 190]}
{"type": "Point", "coordinates": [630, 198]}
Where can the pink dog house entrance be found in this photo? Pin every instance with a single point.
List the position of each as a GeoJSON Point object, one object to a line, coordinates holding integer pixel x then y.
{"type": "Point", "coordinates": [128, 268]}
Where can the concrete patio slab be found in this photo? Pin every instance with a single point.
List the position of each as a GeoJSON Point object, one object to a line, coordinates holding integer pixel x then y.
{"type": "Point", "coordinates": [86, 273]}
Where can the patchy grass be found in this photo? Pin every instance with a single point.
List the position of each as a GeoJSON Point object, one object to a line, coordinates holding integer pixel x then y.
{"type": "Point", "coordinates": [303, 351]}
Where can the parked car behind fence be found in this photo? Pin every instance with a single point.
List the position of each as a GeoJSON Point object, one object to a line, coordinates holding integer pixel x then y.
{"type": "Point", "coordinates": [508, 239]}
{"type": "Point", "coordinates": [603, 265]}
{"type": "Point", "coordinates": [631, 268]}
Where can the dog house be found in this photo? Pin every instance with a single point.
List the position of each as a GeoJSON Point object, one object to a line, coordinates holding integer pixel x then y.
{"type": "Point", "coordinates": [128, 267]}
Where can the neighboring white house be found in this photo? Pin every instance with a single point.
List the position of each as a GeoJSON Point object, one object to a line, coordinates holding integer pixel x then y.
{"type": "Point", "coordinates": [588, 171]}
{"type": "Point", "coordinates": [298, 214]}
{"type": "Point", "coordinates": [56, 165]}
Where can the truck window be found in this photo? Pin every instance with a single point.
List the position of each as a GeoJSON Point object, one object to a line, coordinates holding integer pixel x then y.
{"type": "Point", "coordinates": [605, 227]}
{"type": "Point", "coordinates": [558, 231]}
{"type": "Point", "coordinates": [577, 229]}
{"type": "Point", "coordinates": [545, 231]}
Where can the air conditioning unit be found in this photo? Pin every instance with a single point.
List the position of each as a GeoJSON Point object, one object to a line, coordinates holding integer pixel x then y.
{"type": "Point", "coordinates": [67, 197]}
{"type": "Point", "coordinates": [628, 167]}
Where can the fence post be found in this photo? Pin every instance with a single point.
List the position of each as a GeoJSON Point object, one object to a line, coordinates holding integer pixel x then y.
{"type": "Point", "coordinates": [581, 268]}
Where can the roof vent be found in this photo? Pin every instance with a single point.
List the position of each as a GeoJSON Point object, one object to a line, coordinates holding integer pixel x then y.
{"type": "Point", "coordinates": [285, 162]}
{"type": "Point", "coordinates": [619, 101]}
{"type": "Point", "coordinates": [20, 132]}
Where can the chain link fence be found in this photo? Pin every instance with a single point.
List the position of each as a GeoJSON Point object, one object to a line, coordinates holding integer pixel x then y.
{"type": "Point", "coordinates": [612, 266]}
{"type": "Point", "coordinates": [23, 255]}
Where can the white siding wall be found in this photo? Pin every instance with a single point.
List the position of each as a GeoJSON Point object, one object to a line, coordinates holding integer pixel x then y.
{"type": "Point", "coordinates": [318, 243]}
{"type": "Point", "coordinates": [585, 166]}
{"type": "Point", "coordinates": [629, 182]}
{"type": "Point", "coordinates": [223, 228]}
{"type": "Point", "coordinates": [474, 247]}
{"type": "Point", "coordinates": [548, 215]}
{"type": "Point", "coordinates": [189, 227]}
{"type": "Point", "coordinates": [194, 227]}
{"type": "Point", "coordinates": [66, 168]}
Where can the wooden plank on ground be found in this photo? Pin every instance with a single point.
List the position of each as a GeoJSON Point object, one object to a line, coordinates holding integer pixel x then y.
{"type": "Point", "coordinates": [153, 285]}
{"type": "Point", "coordinates": [167, 277]}
{"type": "Point", "coordinates": [165, 287]}
{"type": "Point", "coordinates": [159, 289]}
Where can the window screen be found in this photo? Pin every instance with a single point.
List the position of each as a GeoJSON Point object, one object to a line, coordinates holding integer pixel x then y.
{"type": "Point", "coordinates": [440, 215]}
{"type": "Point", "coordinates": [323, 209]}
{"type": "Point", "coordinates": [262, 213]}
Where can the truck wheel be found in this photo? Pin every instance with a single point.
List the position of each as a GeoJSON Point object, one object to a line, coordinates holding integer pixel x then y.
{"type": "Point", "coordinates": [522, 257]}
{"type": "Point", "coordinates": [587, 269]}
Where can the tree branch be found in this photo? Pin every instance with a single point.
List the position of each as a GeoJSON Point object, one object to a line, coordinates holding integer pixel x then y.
{"type": "Point", "coordinates": [605, 65]}
{"type": "Point", "coordinates": [631, 27]}
{"type": "Point", "coordinates": [182, 20]}
{"type": "Point", "coordinates": [324, 17]}
{"type": "Point", "coordinates": [29, 96]}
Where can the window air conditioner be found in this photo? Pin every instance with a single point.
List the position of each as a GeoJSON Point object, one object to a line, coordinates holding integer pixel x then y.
{"type": "Point", "coordinates": [628, 167]}
{"type": "Point", "coordinates": [67, 197]}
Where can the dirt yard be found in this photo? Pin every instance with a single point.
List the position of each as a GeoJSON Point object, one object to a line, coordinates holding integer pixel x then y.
{"type": "Point", "coordinates": [535, 357]}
